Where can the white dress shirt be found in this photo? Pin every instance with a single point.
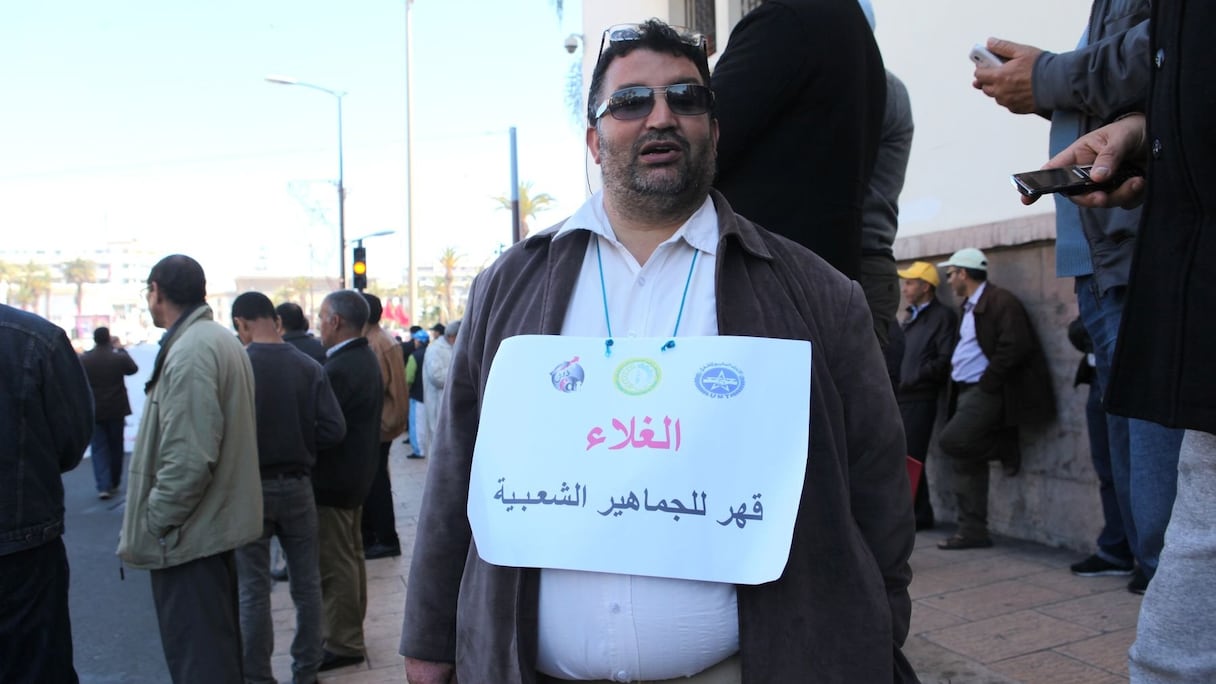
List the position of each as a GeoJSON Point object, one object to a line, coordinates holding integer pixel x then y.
{"type": "Point", "coordinates": [626, 627]}
{"type": "Point", "coordinates": [968, 362]}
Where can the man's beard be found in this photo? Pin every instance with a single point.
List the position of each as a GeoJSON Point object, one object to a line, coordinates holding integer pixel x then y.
{"type": "Point", "coordinates": [646, 193]}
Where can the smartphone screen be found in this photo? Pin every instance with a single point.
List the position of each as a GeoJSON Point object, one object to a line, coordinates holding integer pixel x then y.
{"type": "Point", "coordinates": [1070, 179]}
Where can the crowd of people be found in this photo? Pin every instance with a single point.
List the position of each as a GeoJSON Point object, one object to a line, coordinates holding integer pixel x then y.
{"type": "Point", "coordinates": [276, 433]}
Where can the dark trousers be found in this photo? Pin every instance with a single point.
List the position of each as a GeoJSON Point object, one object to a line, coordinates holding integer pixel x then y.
{"type": "Point", "coordinates": [35, 630]}
{"type": "Point", "coordinates": [379, 521]}
{"type": "Point", "coordinates": [106, 452]}
{"type": "Point", "coordinates": [200, 631]}
{"type": "Point", "coordinates": [918, 417]}
{"type": "Point", "coordinates": [289, 512]}
{"type": "Point", "coordinates": [880, 284]}
{"type": "Point", "coordinates": [1113, 546]}
{"type": "Point", "coordinates": [974, 435]}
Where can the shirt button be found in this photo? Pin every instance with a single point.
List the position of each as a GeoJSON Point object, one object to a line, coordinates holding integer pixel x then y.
{"type": "Point", "coordinates": [622, 676]}
{"type": "Point", "coordinates": [1157, 147]}
{"type": "Point", "coordinates": [615, 608]}
{"type": "Point", "coordinates": [1159, 59]}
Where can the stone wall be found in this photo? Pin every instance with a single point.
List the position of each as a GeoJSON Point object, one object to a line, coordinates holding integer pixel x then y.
{"type": "Point", "coordinates": [1054, 500]}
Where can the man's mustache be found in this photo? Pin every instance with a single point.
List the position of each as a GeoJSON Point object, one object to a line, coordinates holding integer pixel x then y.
{"type": "Point", "coordinates": [662, 136]}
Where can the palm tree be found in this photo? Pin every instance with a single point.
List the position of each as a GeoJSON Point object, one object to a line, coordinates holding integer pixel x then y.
{"type": "Point", "coordinates": [529, 205]}
{"type": "Point", "coordinates": [448, 260]}
{"type": "Point", "coordinates": [33, 281]}
{"type": "Point", "coordinates": [78, 272]}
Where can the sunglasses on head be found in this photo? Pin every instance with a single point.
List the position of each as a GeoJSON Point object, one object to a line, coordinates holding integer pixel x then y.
{"type": "Point", "coordinates": [624, 33]}
{"type": "Point", "coordinates": [684, 99]}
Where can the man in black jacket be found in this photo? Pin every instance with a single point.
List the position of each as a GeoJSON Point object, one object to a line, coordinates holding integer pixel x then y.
{"type": "Point", "coordinates": [343, 475]}
{"type": "Point", "coordinates": [294, 328]}
{"type": "Point", "coordinates": [1164, 370]}
{"type": "Point", "coordinates": [297, 413]}
{"type": "Point", "coordinates": [46, 417]}
{"type": "Point", "coordinates": [801, 92]}
{"type": "Point", "coordinates": [106, 364]}
{"type": "Point", "coordinates": [930, 331]}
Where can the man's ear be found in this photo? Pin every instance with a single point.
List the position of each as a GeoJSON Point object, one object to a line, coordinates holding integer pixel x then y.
{"type": "Point", "coordinates": [593, 143]}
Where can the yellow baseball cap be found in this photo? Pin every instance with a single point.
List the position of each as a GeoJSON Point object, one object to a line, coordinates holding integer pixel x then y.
{"type": "Point", "coordinates": [921, 270]}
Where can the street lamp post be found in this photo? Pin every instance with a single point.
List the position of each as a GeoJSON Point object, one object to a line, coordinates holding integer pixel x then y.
{"type": "Point", "coordinates": [409, 160]}
{"type": "Point", "coordinates": [338, 95]}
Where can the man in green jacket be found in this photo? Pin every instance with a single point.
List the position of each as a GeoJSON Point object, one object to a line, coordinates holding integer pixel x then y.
{"type": "Point", "coordinates": [194, 493]}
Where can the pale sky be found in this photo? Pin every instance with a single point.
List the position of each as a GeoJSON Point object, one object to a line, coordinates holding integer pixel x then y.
{"type": "Point", "coordinates": [150, 120]}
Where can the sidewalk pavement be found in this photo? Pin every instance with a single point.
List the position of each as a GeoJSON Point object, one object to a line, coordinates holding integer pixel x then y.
{"type": "Point", "coordinates": [1011, 613]}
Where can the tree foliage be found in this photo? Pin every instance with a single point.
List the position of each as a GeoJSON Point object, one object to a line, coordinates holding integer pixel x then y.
{"type": "Point", "coordinates": [78, 272]}
{"type": "Point", "coordinates": [32, 281]}
{"type": "Point", "coordinates": [529, 205]}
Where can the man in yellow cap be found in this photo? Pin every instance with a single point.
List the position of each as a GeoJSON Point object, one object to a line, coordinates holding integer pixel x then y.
{"type": "Point", "coordinates": [930, 331]}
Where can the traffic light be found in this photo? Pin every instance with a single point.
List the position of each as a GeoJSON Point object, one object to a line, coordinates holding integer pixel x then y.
{"type": "Point", "coordinates": [360, 268]}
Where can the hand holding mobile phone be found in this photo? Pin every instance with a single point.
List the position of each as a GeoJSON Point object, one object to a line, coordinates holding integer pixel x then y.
{"type": "Point", "coordinates": [982, 56]}
{"type": "Point", "coordinates": [1069, 180]}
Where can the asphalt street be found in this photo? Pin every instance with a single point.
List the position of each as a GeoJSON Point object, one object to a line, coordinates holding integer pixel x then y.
{"type": "Point", "coordinates": [114, 630]}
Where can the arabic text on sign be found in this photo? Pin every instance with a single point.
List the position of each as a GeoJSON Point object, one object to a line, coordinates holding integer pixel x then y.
{"type": "Point", "coordinates": [638, 439]}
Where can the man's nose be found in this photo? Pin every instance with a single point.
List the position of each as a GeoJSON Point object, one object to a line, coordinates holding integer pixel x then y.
{"type": "Point", "coordinates": [660, 115]}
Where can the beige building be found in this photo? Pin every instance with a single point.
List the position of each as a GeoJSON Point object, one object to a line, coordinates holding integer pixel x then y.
{"type": "Point", "coordinates": [958, 194]}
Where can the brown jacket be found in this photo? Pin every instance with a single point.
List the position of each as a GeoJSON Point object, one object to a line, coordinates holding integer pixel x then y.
{"type": "Point", "coordinates": [838, 614]}
{"type": "Point", "coordinates": [395, 413]}
{"type": "Point", "coordinates": [1016, 365]}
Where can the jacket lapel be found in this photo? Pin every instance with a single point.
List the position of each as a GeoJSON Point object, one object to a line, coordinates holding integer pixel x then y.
{"type": "Point", "coordinates": [564, 263]}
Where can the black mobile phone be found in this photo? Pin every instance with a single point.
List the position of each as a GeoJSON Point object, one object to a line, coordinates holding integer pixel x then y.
{"type": "Point", "coordinates": [1070, 180]}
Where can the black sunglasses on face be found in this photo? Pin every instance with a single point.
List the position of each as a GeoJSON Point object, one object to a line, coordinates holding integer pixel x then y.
{"type": "Point", "coordinates": [684, 99]}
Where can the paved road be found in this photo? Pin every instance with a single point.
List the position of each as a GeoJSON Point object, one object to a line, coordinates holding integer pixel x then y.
{"type": "Point", "coordinates": [113, 621]}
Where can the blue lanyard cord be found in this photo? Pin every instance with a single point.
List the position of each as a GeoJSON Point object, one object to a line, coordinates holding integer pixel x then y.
{"type": "Point", "coordinates": [687, 281]}
{"type": "Point", "coordinates": [671, 343]}
{"type": "Point", "coordinates": [599, 257]}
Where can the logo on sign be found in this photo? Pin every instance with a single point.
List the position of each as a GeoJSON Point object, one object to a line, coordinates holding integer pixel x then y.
{"type": "Point", "coordinates": [720, 380]}
{"type": "Point", "coordinates": [636, 377]}
{"type": "Point", "coordinates": [568, 376]}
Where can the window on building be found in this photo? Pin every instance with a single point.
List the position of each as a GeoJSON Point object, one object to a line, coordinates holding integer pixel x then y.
{"type": "Point", "coordinates": [746, 6]}
{"type": "Point", "coordinates": [699, 16]}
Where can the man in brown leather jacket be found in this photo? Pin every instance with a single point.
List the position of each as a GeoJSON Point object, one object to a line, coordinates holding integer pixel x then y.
{"type": "Point", "coordinates": [840, 609]}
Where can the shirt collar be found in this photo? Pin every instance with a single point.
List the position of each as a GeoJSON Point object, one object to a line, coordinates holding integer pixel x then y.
{"type": "Point", "coordinates": [700, 230]}
{"type": "Point", "coordinates": [334, 349]}
{"type": "Point", "coordinates": [975, 296]}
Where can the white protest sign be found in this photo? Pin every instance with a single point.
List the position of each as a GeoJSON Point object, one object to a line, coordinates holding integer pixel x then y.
{"type": "Point", "coordinates": [685, 463]}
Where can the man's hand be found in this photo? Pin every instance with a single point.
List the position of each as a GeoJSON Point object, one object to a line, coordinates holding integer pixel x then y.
{"type": "Point", "coordinates": [429, 672]}
{"type": "Point", "coordinates": [1106, 149]}
{"type": "Point", "coordinates": [1009, 84]}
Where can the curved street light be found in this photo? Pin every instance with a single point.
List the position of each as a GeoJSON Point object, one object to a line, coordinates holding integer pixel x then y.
{"type": "Point", "coordinates": [338, 95]}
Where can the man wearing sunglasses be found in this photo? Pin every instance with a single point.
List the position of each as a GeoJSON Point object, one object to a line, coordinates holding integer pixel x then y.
{"type": "Point", "coordinates": [627, 263]}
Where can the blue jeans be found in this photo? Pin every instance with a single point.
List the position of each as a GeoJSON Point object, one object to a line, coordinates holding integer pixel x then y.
{"type": "Point", "coordinates": [1143, 455]}
{"type": "Point", "coordinates": [35, 628]}
{"type": "Point", "coordinates": [106, 447]}
{"type": "Point", "coordinates": [1113, 546]}
{"type": "Point", "coordinates": [289, 512]}
{"type": "Point", "coordinates": [417, 426]}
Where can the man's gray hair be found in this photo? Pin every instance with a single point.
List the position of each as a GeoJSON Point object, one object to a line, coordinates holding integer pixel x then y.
{"type": "Point", "coordinates": [350, 306]}
{"type": "Point", "coordinates": [452, 329]}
